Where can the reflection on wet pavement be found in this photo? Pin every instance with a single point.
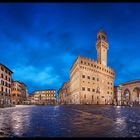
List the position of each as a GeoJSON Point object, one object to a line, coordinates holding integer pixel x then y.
{"type": "Point", "coordinates": [70, 121]}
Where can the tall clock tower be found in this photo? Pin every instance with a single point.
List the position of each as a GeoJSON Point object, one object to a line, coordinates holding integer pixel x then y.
{"type": "Point", "coordinates": [102, 47]}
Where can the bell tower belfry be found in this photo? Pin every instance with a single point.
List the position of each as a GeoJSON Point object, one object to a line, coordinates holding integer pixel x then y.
{"type": "Point", "coordinates": [102, 47]}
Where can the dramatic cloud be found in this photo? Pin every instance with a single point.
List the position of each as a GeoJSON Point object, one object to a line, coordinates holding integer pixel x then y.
{"type": "Point", "coordinates": [39, 42]}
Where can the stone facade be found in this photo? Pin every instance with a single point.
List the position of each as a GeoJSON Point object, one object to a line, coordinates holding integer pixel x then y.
{"type": "Point", "coordinates": [5, 86]}
{"type": "Point", "coordinates": [63, 93]}
{"type": "Point", "coordinates": [128, 93]}
{"type": "Point", "coordinates": [44, 97]}
{"type": "Point", "coordinates": [29, 100]}
{"type": "Point", "coordinates": [18, 92]}
{"type": "Point", "coordinates": [92, 82]}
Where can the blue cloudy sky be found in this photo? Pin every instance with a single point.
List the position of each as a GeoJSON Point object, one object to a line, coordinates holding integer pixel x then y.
{"type": "Point", "coordinates": [40, 41]}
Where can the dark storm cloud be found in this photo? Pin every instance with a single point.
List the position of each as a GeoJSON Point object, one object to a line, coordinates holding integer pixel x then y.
{"type": "Point", "coordinates": [39, 42]}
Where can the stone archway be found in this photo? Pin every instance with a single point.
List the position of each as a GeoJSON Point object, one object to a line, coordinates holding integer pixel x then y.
{"type": "Point", "coordinates": [136, 95]}
{"type": "Point", "coordinates": [131, 90]}
{"type": "Point", "coordinates": [126, 97]}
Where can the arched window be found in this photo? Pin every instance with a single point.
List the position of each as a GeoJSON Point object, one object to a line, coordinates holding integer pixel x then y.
{"type": "Point", "coordinates": [127, 95]}
{"type": "Point", "coordinates": [85, 96]}
{"type": "Point", "coordinates": [103, 37]}
{"type": "Point", "coordinates": [1, 88]}
{"type": "Point", "coordinates": [2, 75]}
{"type": "Point", "coordinates": [138, 95]}
{"type": "Point", "coordinates": [92, 97]}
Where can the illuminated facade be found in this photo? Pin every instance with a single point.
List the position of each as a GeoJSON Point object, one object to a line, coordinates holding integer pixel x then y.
{"type": "Point", "coordinates": [18, 92]}
{"type": "Point", "coordinates": [63, 93]}
{"type": "Point", "coordinates": [92, 82]}
{"type": "Point", "coordinates": [5, 86]}
{"type": "Point", "coordinates": [44, 97]}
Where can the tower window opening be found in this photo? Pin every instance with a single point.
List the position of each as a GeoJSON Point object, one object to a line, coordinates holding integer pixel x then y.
{"type": "Point", "coordinates": [88, 77]}
{"type": "Point", "coordinates": [88, 89]}
{"type": "Point", "coordinates": [103, 37]}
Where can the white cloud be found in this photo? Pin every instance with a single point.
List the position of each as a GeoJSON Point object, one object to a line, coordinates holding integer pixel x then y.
{"type": "Point", "coordinates": [45, 76]}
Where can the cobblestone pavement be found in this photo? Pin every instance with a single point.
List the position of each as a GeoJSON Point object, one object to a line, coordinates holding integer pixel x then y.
{"type": "Point", "coordinates": [70, 121]}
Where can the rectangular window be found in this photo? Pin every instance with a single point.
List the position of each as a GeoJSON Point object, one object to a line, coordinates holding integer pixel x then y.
{"type": "Point", "coordinates": [93, 90]}
{"type": "Point", "coordinates": [83, 88]}
{"type": "Point", "coordinates": [88, 89]}
{"type": "Point", "coordinates": [88, 77]}
{"type": "Point", "coordinates": [93, 78]}
{"type": "Point", "coordinates": [97, 79]}
{"type": "Point", "coordinates": [83, 76]}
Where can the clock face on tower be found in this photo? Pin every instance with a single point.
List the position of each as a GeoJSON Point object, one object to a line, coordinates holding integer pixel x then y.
{"type": "Point", "coordinates": [103, 62]}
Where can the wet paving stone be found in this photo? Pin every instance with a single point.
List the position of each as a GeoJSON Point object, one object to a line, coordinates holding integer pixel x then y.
{"type": "Point", "coordinates": [70, 121]}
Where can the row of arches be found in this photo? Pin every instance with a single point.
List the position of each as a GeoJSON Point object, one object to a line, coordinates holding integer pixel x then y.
{"type": "Point", "coordinates": [131, 97]}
